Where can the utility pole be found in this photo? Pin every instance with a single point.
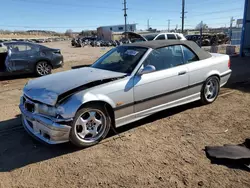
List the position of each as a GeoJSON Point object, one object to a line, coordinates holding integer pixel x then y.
{"type": "Point", "coordinates": [201, 28]}
{"type": "Point", "coordinates": [148, 24]}
{"type": "Point", "coordinates": [169, 25]}
{"type": "Point", "coordinates": [182, 16]}
{"type": "Point", "coordinates": [231, 32]}
{"type": "Point", "coordinates": [176, 29]}
{"type": "Point", "coordinates": [125, 15]}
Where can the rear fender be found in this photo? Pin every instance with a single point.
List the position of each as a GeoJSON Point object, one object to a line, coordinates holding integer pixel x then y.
{"type": "Point", "coordinates": [213, 73]}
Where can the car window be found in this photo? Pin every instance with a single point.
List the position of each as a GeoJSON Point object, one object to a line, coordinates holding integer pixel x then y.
{"type": "Point", "coordinates": [189, 56]}
{"type": "Point", "coordinates": [165, 58]}
{"type": "Point", "coordinates": [150, 36]}
{"type": "Point", "coordinates": [178, 36]}
{"type": "Point", "coordinates": [171, 36]}
{"type": "Point", "coordinates": [19, 48]}
{"type": "Point", "coordinates": [114, 57]}
{"type": "Point", "coordinates": [161, 37]}
{"type": "Point", "coordinates": [121, 59]}
{"type": "Point", "coordinates": [28, 47]}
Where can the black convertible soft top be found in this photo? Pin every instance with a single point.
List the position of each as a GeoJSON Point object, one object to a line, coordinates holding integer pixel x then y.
{"type": "Point", "coordinates": [155, 44]}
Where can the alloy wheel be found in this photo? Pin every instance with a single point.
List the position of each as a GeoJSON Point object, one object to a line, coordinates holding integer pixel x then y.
{"type": "Point", "coordinates": [43, 68]}
{"type": "Point", "coordinates": [91, 125]}
{"type": "Point", "coordinates": [211, 90]}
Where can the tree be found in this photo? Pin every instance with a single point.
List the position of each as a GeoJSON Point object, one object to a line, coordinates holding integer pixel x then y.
{"type": "Point", "coordinates": [94, 33]}
{"type": "Point", "coordinates": [88, 33]}
{"type": "Point", "coordinates": [69, 33]}
{"type": "Point", "coordinates": [204, 26]}
{"type": "Point", "coordinates": [85, 33]}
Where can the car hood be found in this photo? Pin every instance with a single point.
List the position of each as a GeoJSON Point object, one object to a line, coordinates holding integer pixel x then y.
{"type": "Point", "coordinates": [48, 89]}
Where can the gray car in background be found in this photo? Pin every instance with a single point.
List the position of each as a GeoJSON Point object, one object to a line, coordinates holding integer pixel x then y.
{"type": "Point", "coordinates": [126, 84]}
{"type": "Point", "coordinates": [26, 57]}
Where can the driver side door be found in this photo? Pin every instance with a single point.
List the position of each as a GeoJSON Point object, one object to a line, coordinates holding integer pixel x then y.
{"type": "Point", "coordinates": [163, 87]}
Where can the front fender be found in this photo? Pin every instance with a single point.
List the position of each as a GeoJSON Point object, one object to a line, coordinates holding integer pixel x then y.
{"type": "Point", "coordinates": [74, 102]}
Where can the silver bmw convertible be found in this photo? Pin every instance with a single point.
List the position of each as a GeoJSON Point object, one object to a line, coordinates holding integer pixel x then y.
{"type": "Point", "coordinates": [126, 84]}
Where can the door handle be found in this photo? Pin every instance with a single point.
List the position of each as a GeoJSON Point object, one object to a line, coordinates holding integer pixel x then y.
{"type": "Point", "coordinates": [182, 72]}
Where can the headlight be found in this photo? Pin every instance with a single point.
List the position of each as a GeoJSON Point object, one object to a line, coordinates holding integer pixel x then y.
{"type": "Point", "coordinates": [49, 110]}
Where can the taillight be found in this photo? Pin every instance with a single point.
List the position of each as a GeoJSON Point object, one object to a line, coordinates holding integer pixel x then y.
{"type": "Point", "coordinates": [229, 64]}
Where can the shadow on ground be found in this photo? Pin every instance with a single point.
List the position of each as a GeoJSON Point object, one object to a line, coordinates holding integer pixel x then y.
{"type": "Point", "coordinates": [233, 164]}
{"type": "Point", "coordinates": [18, 149]}
{"type": "Point", "coordinates": [240, 78]}
{"type": "Point", "coordinates": [10, 124]}
{"type": "Point", "coordinates": [15, 76]}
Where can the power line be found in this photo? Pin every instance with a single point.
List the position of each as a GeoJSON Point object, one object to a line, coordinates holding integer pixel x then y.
{"type": "Point", "coordinates": [65, 4]}
{"type": "Point", "coordinates": [150, 10]}
{"type": "Point", "coordinates": [219, 18]}
{"type": "Point", "coordinates": [214, 18]}
{"type": "Point", "coordinates": [52, 27]}
{"type": "Point", "coordinates": [218, 12]}
{"type": "Point", "coordinates": [216, 1]}
{"type": "Point", "coordinates": [47, 2]}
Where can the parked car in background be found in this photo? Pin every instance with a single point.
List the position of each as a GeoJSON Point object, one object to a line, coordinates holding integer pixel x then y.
{"type": "Point", "coordinates": [128, 83]}
{"type": "Point", "coordinates": [135, 37]}
{"type": "Point", "coordinates": [209, 39]}
{"type": "Point", "coordinates": [26, 57]}
{"type": "Point", "coordinates": [92, 41]}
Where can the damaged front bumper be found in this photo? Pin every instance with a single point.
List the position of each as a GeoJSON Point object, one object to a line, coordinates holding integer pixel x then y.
{"type": "Point", "coordinates": [51, 131]}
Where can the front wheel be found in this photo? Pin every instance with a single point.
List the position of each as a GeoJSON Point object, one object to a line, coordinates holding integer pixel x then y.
{"type": "Point", "coordinates": [43, 68]}
{"type": "Point", "coordinates": [210, 90]}
{"type": "Point", "coordinates": [90, 125]}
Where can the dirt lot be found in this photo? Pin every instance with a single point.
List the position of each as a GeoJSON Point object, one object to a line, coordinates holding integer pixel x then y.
{"type": "Point", "coordinates": [164, 150]}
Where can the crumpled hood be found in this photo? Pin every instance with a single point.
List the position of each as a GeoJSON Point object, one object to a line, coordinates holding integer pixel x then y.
{"type": "Point", "coordinates": [47, 89]}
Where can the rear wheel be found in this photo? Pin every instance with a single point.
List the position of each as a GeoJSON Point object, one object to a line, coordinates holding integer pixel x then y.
{"type": "Point", "coordinates": [90, 125]}
{"type": "Point", "coordinates": [210, 90]}
{"type": "Point", "coordinates": [43, 68]}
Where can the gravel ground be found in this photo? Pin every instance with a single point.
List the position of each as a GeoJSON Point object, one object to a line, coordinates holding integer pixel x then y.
{"type": "Point", "coordinates": [163, 150]}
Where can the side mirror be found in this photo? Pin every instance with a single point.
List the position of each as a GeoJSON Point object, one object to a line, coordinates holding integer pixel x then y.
{"type": "Point", "coordinates": [147, 69]}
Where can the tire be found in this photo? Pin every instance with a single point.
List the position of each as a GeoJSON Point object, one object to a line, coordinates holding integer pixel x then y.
{"type": "Point", "coordinates": [91, 124]}
{"type": "Point", "coordinates": [210, 90]}
{"type": "Point", "coordinates": [43, 68]}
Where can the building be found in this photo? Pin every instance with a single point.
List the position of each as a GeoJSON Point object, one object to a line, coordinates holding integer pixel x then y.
{"type": "Point", "coordinates": [236, 36]}
{"type": "Point", "coordinates": [106, 32]}
{"type": "Point", "coordinates": [245, 39]}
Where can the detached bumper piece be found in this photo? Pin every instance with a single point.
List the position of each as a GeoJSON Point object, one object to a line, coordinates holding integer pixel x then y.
{"type": "Point", "coordinates": [44, 128]}
{"type": "Point", "coordinates": [234, 156]}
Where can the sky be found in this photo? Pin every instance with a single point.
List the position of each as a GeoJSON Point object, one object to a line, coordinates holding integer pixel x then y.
{"type": "Point", "coordinates": [78, 15]}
